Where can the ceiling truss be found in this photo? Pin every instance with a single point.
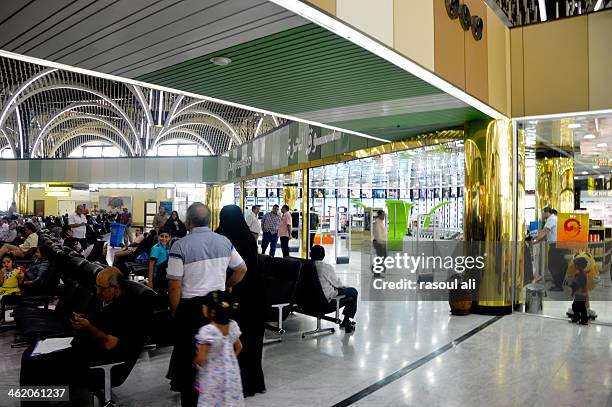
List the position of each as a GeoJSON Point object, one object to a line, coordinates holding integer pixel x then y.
{"type": "Point", "coordinates": [48, 113]}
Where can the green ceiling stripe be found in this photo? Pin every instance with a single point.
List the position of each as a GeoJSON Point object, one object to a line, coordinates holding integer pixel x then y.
{"type": "Point", "coordinates": [257, 50]}
{"type": "Point", "coordinates": [333, 76]}
{"type": "Point", "coordinates": [297, 31]}
{"type": "Point", "coordinates": [263, 62]}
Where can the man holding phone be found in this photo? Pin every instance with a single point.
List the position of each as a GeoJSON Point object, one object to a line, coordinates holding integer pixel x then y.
{"type": "Point", "coordinates": [109, 334]}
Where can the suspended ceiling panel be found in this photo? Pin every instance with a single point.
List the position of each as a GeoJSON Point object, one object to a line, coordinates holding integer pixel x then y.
{"type": "Point", "coordinates": [132, 37]}
{"type": "Point", "coordinates": [314, 74]}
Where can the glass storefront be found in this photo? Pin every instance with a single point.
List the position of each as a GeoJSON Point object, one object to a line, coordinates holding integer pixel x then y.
{"type": "Point", "coordinates": [568, 168]}
{"type": "Point", "coordinates": [428, 183]}
{"type": "Point", "coordinates": [276, 190]}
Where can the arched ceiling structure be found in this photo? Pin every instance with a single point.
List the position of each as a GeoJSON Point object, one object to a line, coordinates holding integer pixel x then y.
{"type": "Point", "coordinates": [48, 112]}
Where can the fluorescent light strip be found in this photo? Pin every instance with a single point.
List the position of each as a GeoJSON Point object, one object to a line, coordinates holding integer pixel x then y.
{"type": "Point", "coordinates": [101, 75]}
{"type": "Point", "coordinates": [598, 5]}
{"type": "Point", "coordinates": [565, 115]}
{"type": "Point", "coordinates": [375, 47]}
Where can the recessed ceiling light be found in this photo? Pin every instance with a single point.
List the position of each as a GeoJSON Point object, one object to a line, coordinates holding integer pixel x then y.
{"type": "Point", "coordinates": [601, 176]}
{"type": "Point", "coordinates": [589, 136]}
{"type": "Point", "coordinates": [596, 167]}
{"type": "Point", "coordinates": [573, 125]}
{"type": "Point", "coordinates": [602, 144]}
{"type": "Point", "coordinates": [585, 173]}
{"type": "Point", "coordinates": [221, 61]}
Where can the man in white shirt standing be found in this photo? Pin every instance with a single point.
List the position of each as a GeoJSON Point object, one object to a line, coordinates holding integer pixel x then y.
{"type": "Point", "coordinates": [556, 257]}
{"type": "Point", "coordinates": [252, 221]}
{"type": "Point", "coordinates": [379, 235]}
{"type": "Point", "coordinates": [78, 223]}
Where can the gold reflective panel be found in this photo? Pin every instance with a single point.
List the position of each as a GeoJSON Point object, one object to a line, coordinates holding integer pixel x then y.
{"type": "Point", "coordinates": [555, 184]}
{"type": "Point", "coordinates": [22, 198]}
{"type": "Point", "coordinates": [488, 206]}
{"type": "Point", "coordinates": [213, 201]}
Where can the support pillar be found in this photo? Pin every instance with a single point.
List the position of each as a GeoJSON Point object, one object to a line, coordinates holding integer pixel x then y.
{"type": "Point", "coordinates": [21, 198]}
{"type": "Point", "coordinates": [213, 201]}
{"type": "Point", "coordinates": [490, 210]}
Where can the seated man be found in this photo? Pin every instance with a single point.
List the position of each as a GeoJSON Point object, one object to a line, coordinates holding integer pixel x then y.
{"type": "Point", "coordinates": [112, 333]}
{"type": "Point", "coordinates": [24, 249]}
{"type": "Point", "coordinates": [332, 286]}
{"type": "Point", "coordinates": [36, 278]}
{"type": "Point", "coordinates": [8, 231]}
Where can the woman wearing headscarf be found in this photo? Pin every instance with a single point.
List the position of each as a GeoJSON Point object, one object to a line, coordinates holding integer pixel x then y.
{"type": "Point", "coordinates": [249, 294]}
{"type": "Point", "coordinates": [176, 226]}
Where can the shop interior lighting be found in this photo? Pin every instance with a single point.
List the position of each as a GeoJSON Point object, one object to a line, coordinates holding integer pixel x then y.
{"type": "Point", "coordinates": [573, 126]}
{"type": "Point", "coordinates": [322, 19]}
{"type": "Point", "coordinates": [602, 145]}
{"type": "Point", "coordinates": [585, 173]}
{"type": "Point", "coordinates": [589, 136]}
{"type": "Point", "coordinates": [564, 115]}
{"type": "Point", "coordinates": [596, 167]}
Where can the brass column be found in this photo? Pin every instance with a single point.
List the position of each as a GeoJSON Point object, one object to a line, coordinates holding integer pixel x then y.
{"type": "Point", "coordinates": [21, 198]}
{"type": "Point", "coordinates": [489, 209]}
{"type": "Point", "coordinates": [241, 204]}
{"type": "Point", "coordinates": [555, 168]}
{"type": "Point", "coordinates": [213, 201]}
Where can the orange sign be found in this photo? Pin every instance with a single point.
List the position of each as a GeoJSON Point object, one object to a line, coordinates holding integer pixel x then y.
{"type": "Point", "coordinates": [573, 230]}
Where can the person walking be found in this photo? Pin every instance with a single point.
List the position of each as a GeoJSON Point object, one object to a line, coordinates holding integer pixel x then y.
{"type": "Point", "coordinates": [249, 294]}
{"type": "Point", "coordinates": [284, 230]}
{"type": "Point", "coordinates": [556, 257]}
{"type": "Point", "coordinates": [252, 221]}
{"type": "Point", "coordinates": [78, 223]}
{"type": "Point", "coordinates": [269, 226]}
{"type": "Point", "coordinates": [126, 219]}
{"type": "Point", "coordinates": [197, 266]}
{"type": "Point", "coordinates": [379, 235]}
{"type": "Point", "coordinates": [175, 225]}
{"type": "Point", "coordinates": [313, 226]}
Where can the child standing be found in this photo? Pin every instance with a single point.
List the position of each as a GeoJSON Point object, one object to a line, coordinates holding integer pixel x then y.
{"type": "Point", "coordinates": [159, 255]}
{"type": "Point", "coordinates": [580, 292]}
{"type": "Point", "coordinates": [218, 345]}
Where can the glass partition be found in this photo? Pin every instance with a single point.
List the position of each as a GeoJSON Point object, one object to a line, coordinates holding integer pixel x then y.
{"type": "Point", "coordinates": [568, 214]}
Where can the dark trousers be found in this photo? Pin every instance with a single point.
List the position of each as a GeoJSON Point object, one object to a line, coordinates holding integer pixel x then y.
{"type": "Point", "coordinates": [285, 245]}
{"type": "Point", "coordinates": [311, 240]}
{"type": "Point", "coordinates": [269, 239]}
{"type": "Point", "coordinates": [556, 264]}
{"type": "Point", "coordinates": [181, 372]}
{"type": "Point", "coordinates": [349, 302]}
{"type": "Point", "coordinates": [381, 250]}
{"type": "Point", "coordinates": [83, 243]}
{"type": "Point", "coordinates": [580, 311]}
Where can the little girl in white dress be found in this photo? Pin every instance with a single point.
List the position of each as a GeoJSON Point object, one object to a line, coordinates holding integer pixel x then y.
{"type": "Point", "coordinates": [218, 345]}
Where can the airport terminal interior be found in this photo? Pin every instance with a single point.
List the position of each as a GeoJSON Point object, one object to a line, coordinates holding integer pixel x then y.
{"type": "Point", "coordinates": [411, 203]}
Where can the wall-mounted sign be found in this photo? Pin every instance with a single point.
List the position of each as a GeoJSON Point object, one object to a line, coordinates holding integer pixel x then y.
{"type": "Point", "coordinates": [572, 230]}
{"type": "Point", "coordinates": [239, 164]}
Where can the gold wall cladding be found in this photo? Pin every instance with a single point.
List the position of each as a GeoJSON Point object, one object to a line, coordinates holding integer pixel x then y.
{"type": "Point", "coordinates": [488, 205]}
{"type": "Point", "coordinates": [22, 198]}
{"type": "Point", "coordinates": [600, 60]}
{"type": "Point", "coordinates": [556, 66]}
{"type": "Point", "coordinates": [555, 184]}
{"type": "Point", "coordinates": [519, 215]}
{"type": "Point", "coordinates": [213, 201]}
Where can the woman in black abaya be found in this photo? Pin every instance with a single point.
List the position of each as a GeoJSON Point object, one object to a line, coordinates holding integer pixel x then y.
{"type": "Point", "coordinates": [250, 296]}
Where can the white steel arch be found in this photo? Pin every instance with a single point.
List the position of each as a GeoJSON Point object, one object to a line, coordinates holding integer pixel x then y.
{"type": "Point", "coordinates": [73, 106]}
{"type": "Point", "coordinates": [74, 134]}
{"type": "Point", "coordinates": [110, 101]}
{"type": "Point", "coordinates": [96, 118]}
{"type": "Point", "coordinates": [8, 107]}
{"type": "Point", "coordinates": [201, 139]}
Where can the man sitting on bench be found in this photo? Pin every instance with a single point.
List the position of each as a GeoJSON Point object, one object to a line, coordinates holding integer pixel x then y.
{"type": "Point", "coordinates": [27, 247]}
{"type": "Point", "coordinates": [332, 286]}
{"type": "Point", "coordinates": [109, 335]}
